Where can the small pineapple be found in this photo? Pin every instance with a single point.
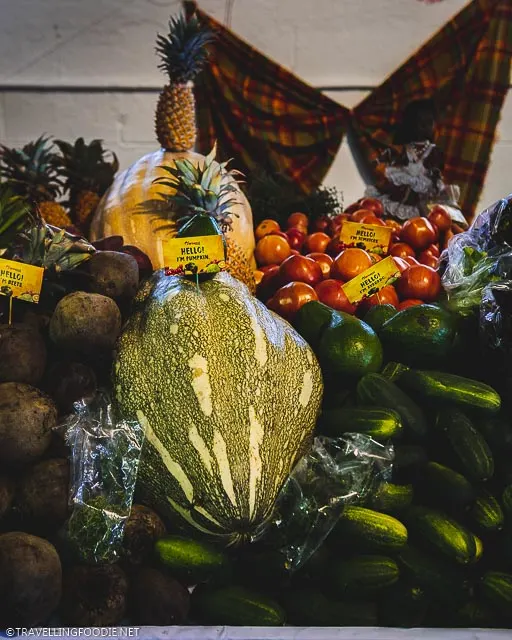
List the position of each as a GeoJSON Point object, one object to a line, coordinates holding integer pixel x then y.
{"type": "Point", "coordinates": [183, 54]}
{"type": "Point", "coordinates": [88, 174]}
{"type": "Point", "coordinates": [208, 190]}
{"type": "Point", "coordinates": [31, 173]}
{"type": "Point", "coordinates": [14, 215]}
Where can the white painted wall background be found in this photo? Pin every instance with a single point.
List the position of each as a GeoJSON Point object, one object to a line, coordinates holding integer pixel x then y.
{"type": "Point", "coordinates": [109, 45]}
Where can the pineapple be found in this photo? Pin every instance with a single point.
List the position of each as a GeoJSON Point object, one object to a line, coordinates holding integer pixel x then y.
{"type": "Point", "coordinates": [88, 174]}
{"type": "Point", "coordinates": [14, 214]}
{"type": "Point", "coordinates": [32, 174]}
{"type": "Point", "coordinates": [183, 55]}
{"type": "Point", "coordinates": [207, 189]}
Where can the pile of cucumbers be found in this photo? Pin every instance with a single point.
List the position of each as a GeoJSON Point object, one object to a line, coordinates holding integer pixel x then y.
{"type": "Point", "coordinates": [431, 548]}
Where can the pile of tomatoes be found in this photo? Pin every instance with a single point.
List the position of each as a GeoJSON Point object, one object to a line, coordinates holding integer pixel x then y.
{"type": "Point", "coordinates": [299, 263]}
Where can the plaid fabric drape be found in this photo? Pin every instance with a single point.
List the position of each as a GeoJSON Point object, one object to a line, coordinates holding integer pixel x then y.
{"type": "Point", "coordinates": [465, 69]}
{"type": "Point", "coordinates": [262, 115]}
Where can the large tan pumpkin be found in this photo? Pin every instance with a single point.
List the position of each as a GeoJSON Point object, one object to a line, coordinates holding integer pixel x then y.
{"type": "Point", "coordinates": [133, 208]}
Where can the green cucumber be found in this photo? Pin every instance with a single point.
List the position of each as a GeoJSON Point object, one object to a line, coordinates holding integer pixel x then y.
{"type": "Point", "coordinates": [368, 530]}
{"type": "Point", "coordinates": [506, 499]}
{"type": "Point", "coordinates": [443, 486]}
{"type": "Point", "coordinates": [378, 423]}
{"type": "Point", "coordinates": [312, 319]}
{"type": "Point", "coordinates": [362, 575]}
{"type": "Point", "coordinates": [235, 606]}
{"type": "Point", "coordinates": [448, 536]}
{"type": "Point", "coordinates": [474, 615]}
{"type": "Point", "coordinates": [496, 588]}
{"type": "Point", "coordinates": [392, 498]}
{"type": "Point", "coordinates": [191, 560]}
{"type": "Point", "coordinates": [448, 388]}
{"type": "Point", "coordinates": [393, 370]}
{"type": "Point", "coordinates": [376, 390]}
{"type": "Point", "coordinates": [442, 582]}
{"type": "Point", "coordinates": [379, 314]}
{"type": "Point", "coordinates": [467, 443]}
{"type": "Point", "coordinates": [309, 607]}
{"type": "Point", "coordinates": [486, 513]}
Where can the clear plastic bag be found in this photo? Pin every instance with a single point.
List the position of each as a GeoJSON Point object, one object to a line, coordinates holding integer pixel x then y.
{"type": "Point", "coordinates": [105, 454]}
{"type": "Point", "coordinates": [335, 473]}
{"type": "Point", "coordinates": [479, 256]}
{"type": "Point", "coordinates": [495, 328]}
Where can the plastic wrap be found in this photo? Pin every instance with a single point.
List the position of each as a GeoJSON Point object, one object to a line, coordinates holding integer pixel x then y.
{"type": "Point", "coordinates": [336, 472]}
{"type": "Point", "coordinates": [478, 257]}
{"type": "Point", "coordinates": [105, 454]}
{"type": "Point", "coordinates": [495, 329]}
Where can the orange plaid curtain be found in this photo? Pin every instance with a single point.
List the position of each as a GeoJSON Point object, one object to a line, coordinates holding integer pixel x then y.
{"type": "Point", "coordinates": [262, 115]}
{"type": "Point", "coordinates": [465, 69]}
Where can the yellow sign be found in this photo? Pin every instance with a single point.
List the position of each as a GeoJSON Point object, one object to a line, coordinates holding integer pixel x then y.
{"type": "Point", "coordinates": [371, 237]}
{"type": "Point", "coordinates": [19, 280]}
{"type": "Point", "coordinates": [194, 256]}
{"type": "Point", "coordinates": [372, 280]}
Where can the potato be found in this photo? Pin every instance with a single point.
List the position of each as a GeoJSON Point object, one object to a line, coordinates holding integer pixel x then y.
{"type": "Point", "coordinates": [30, 580]}
{"type": "Point", "coordinates": [43, 492]}
{"type": "Point", "coordinates": [67, 382]}
{"type": "Point", "coordinates": [6, 495]}
{"type": "Point", "coordinates": [114, 274]}
{"type": "Point", "coordinates": [85, 322]}
{"type": "Point", "coordinates": [142, 529]}
{"type": "Point", "coordinates": [157, 599]}
{"type": "Point", "coordinates": [27, 417]}
{"type": "Point", "coordinates": [22, 354]}
{"type": "Point", "coordinates": [94, 596]}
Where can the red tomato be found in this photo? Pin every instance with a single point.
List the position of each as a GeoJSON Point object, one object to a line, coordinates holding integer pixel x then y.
{"type": "Point", "coordinates": [334, 247]}
{"type": "Point", "coordinates": [440, 218]}
{"type": "Point", "coordinates": [270, 281]}
{"type": "Point", "coordinates": [411, 302]}
{"type": "Point", "coordinates": [265, 227]}
{"type": "Point", "coordinates": [374, 204]}
{"type": "Point", "coordinates": [401, 250]}
{"type": "Point", "coordinates": [287, 300]}
{"type": "Point", "coordinates": [358, 215]}
{"type": "Point", "coordinates": [317, 242]}
{"type": "Point", "coordinates": [322, 224]}
{"type": "Point", "coordinates": [281, 234]}
{"type": "Point", "coordinates": [419, 233]}
{"type": "Point", "coordinates": [401, 264]}
{"type": "Point", "coordinates": [421, 282]}
{"type": "Point", "coordinates": [395, 226]}
{"type": "Point", "coordinates": [411, 261]}
{"type": "Point", "coordinates": [295, 252]}
{"type": "Point", "coordinates": [258, 276]}
{"type": "Point", "coordinates": [296, 238]}
{"type": "Point", "coordinates": [371, 218]}
{"type": "Point", "coordinates": [433, 249]}
{"type": "Point", "coordinates": [300, 269]}
{"type": "Point", "coordinates": [297, 220]}
{"type": "Point", "coordinates": [387, 295]}
{"type": "Point", "coordinates": [375, 257]}
{"type": "Point", "coordinates": [350, 263]}
{"type": "Point", "coordinates": [427, 258]}
{"type": "Point", "coordinates": [331, 293]}
{"type": "Point", "coordinates": [325, 261]}
{"type": "Point", "coordinates": [271, 249]}
{"type": "Point", "coordinates": [336, 224]}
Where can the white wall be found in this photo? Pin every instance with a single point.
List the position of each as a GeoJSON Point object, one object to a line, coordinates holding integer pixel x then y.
{"type": "Point", "coordinates": [97, 60]}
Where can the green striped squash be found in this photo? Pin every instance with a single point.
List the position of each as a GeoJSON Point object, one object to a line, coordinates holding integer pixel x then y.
{"type": "Point", "coordinates": [228, 394]}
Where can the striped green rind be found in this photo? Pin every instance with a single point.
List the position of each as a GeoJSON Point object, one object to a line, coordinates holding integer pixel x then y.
{"type": "Point", "coordinates": [363, 575]}
{"type": "Point", "coordinates": [192, 561]}
{"type": "Point", "coordinates": [368, 530]}
{"type": "Point", "coordinates": [228, 394]}
{"type": "Point", "coordinates": [486, 513]}
{"type": "Point", "coordinates": [496, 588]}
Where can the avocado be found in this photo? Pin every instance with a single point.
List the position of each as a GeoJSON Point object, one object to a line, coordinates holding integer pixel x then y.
{"type": "Point", "coordinates": [422, 335]}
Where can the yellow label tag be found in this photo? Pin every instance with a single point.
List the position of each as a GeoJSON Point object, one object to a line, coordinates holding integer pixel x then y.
{"type": "Point", "coordinates": [193, 256]}
{"type": "Point", "coordinates": [19, 280]}
{"type": "Point", "coordinates": [372, 280]}
{"type": "Point", "coordinates": [371, 237]}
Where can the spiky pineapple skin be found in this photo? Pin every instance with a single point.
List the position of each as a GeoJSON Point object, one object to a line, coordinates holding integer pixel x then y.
{"type": "Point", "coordinates": [175, 123]}
{"type": "Point", "coordinates": [238, 265]}
{"type": "Point", "coordinates": [54, 213]}
{"type": "Point", "coordinates": [86, 204]}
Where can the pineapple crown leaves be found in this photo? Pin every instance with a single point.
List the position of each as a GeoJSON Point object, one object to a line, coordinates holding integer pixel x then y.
{"type": "Point", "coordinates": [183, 50]}
{"type": "Point", "coordinates": [14, 215]}
{"type": "Point", "coordinates": [204, 189]}
{"type": "Point", "coordinates": [52, 248]}
{"type": "Point", "coordinates": [31, 171]}
{"type": "Point", "coordinates": [85, 166]}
